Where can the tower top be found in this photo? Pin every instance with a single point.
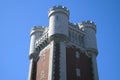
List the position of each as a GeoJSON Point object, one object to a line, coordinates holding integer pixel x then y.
{"type": "Point", "coordinates": [88, 24]}
{"type": "Point", "coordinates": [37, 29]}
{"type": "Point", "coordinates": [56, 9]}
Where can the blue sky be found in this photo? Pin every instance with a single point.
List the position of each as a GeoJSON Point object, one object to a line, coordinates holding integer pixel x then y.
{"type": "Point", "coordinates": [18, 16]}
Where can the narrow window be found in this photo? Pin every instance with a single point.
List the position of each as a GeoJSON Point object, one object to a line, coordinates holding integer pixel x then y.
{"type": "Point", "coordinates": [78, 72]}
{"type": "Point", "coordinates": [79, 40]}
{"type": "Point", "coordinates": [72, 37]}
{"type": "Point", "coordinates": [56, 17]}
{"type": "Point", "coordinates": [82, 41]}
{"type": "Point", "coordinates": [77, 55]}
{"type": "Point", "coordinates": [69, 35]}
{"type": "Point", "coordinates": [76, 38]}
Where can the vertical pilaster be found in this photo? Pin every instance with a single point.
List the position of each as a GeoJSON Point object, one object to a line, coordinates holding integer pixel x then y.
{"type": "Point", "coordinates": [56, 61]}
{"type": "Point", "coordinates": [94, 65]}
{"type": "Point", "coordinates": [50, 71]}
{"type": "Point", "coordinates": [62, 61]}
{"type": "Point", "coordinates": [30, 69]}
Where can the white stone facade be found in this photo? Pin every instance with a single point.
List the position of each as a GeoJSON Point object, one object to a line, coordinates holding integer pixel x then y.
{"type": "Point", "coordinates": [81, 34]}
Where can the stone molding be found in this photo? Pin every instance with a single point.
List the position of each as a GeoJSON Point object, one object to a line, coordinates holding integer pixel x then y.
{"type": "Point", "coordinates": [58, 38]}
{"type": "Point", "coordinates": [92, 51]}
{"type": "Point", "coordinates": [63, 61]}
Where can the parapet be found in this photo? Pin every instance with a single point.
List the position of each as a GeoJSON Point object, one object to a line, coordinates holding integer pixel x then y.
{"type": "Point", "coordinates": [37, 29]}
{"type": "Point", "coordinates": [60, 8]}
{"type": "Point", "coordinates": [88, 24]}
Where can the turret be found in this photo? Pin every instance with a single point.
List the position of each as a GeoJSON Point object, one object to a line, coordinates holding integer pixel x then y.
{"type": "Point", "coordinates": [89, 28]}
{"type": "Point", "coordinates": [58, 21]}
{"type": "Point", "coordinates": [35, 33]}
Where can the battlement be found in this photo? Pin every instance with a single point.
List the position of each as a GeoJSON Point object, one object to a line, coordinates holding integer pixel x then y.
{"type": "Point", "coordinates": [59, 8]}
{"type": "Point", "coordinates": [88, 24]}
{"type": "Point", "coordinates": [75, 27]}
{"type": "Point", "coordinates": [37, 27]}
{"type": "Point", "coordinates": [40, 29]}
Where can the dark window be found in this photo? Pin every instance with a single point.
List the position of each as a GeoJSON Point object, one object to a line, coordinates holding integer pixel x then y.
{"type": "Point", "coordinates": [56, 17]}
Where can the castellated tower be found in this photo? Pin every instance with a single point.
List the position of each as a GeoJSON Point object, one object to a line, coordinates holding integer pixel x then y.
{"type": "Point", "coordinates": [63, 50]}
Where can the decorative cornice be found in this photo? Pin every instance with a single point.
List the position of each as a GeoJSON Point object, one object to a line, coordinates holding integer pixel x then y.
{"type": "Point", "coordinates": [33, 55]}
{"type": "Point", "coordinates": [92, 51]}
{"type": "Point", "coordinates": [58, 37]}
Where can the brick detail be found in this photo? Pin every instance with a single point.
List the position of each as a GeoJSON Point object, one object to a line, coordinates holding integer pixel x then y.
{"type": "Point", "coordinates": [42, 65]}
{"type": "Point", "coordinates": [83, 63]}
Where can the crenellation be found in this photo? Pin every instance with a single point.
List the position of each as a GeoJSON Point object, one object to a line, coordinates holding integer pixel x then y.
{"type": "Point", "coordinates": [39, 29]}
{"type": "Point", "coordinates": [88, 22]}
{"type": "Point", "coordinates": [58, 9]}
{"type": "Point", "coordinates": [75, 27]}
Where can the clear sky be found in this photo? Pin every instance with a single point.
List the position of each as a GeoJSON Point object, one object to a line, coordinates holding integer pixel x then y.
{"type": "Point", "coordinates": [18, 16]}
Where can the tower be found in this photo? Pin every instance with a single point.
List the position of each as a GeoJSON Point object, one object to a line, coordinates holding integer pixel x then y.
{"type": "Point", "coordinates": [63, 51]}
